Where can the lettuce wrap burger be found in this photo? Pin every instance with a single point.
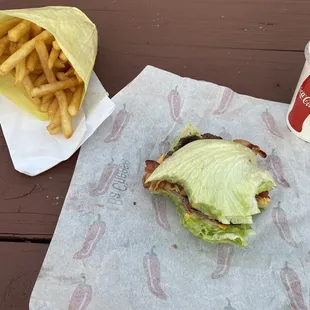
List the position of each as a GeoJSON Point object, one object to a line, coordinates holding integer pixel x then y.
{"type": "Point", "coordinates": [215, 184]}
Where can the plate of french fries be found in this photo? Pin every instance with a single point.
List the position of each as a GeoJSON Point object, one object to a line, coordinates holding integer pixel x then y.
{"type": "Point", "coordinates": [47, 74]}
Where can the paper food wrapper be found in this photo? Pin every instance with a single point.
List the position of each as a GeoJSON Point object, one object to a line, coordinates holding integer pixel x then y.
{"type": "Point", "coordinates": [116, 246]}
{"type": "Point", "coordinates": [76, 35]}
{"type": "Point", "coordinates": [33, 150]}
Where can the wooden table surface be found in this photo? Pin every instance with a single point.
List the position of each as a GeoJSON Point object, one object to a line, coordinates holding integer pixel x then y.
{"type": "Point", "coordinates": [253, 46]}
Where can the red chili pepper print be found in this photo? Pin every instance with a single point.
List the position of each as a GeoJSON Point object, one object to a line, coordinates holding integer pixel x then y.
{"type": "Point", "coordinates": [229, 307]}
{"type": "Point", "coordinates": [225, 135]}
{"type": "Point", "coordinates": [275, 165]}
{"type": "Point", "coordinates": [120, 122]}
{"type": "Point", "coordinates": [174, 100]}
{"type": "Point", "coordinates": [271, 124]}
{"type": "Point", "coordinates": [151, 266]}
{"type": "Point", "coordinates": [106, 179]}
{"type": "Point", "coordinates": [73, 195]}
{"type": "Point", "coordinates": [225, 253]}
{"type": "Point", "coordinates": [81, 297]}
{"type": "Point", "coordinates": [280, 220]}
{"type": "Point", "coordinates": [292, 285]}
{"type": "Point", "coordinates": [160, 207]}
{"type": "Point", "coordinates": [164, 146]}
{"type": "Point", "coordinates": [225, 103]}
{"type": "Point", "coordinates": [94, 234]}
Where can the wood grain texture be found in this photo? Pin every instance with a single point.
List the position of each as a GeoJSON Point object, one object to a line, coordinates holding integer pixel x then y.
{"type": "Point", "coordinates": [30, 206]}
{"type": "Point", "coordinates": [212, 40]}
{"type": "Point", "coordinates": [20, 265]}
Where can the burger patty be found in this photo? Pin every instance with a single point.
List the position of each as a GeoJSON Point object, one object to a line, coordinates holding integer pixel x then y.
{"type": "Point", "coordinates": [186, 140]}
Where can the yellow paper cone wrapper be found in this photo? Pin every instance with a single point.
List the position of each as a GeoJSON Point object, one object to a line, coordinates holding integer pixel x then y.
{"type": "Point", "coordinates": [76, 35]}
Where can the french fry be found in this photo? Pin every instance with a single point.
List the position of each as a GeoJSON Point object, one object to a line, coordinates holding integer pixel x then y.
{"type": "Point", "coordinates": [61, 76]}
{"type": "Point", "coordinates": [75, 103]}
{"type": "Point", "coordinates": [23, 52]}
{"type": "Point", "coordinates": [66, 121]}
{"type": "Point", "coordinates": [48, 97]}
{"type": "Point", "coordinates": [43, 56]}
{"type": "Point", "coordinates": [29, 86]}
{"type": "Point", "coordinates": [13, 47]}
{"type": "Point", "coordinates": [35, 29]}
{"type": "Point", "coordinates": [4, 42]}
{"type": "Point", "coordinates": [40, 80]}
{"type": "Point", "coordinates": [3, 58]}
{"type": "Point", "coordinates": [53, 108]}
{"type": "Point", "coordinates": [55, 130]}
{"type": "Point", "coordinates": [56, 46]}
{"type": "Point", "coordinates": [55, 125]}
{"type": "Point", "coordinates": [63, 57]}
{"type": "Point", "coordinates": [69, 72]}
{"type": "Point", "coordinates": [59, 64]}
{"type": "Point", "coordinates": [52, 58]}
{"type": "Point", "coordinates": [21, 66]}
{"type": "Point", "coordinates": [32, 61]}
{"type": "Point", "coordinates": [8, 25]}
{"type": "Point", "coordinates": [69, 96]}
{"type": "Point", "coordinates": [19, 30]}
{"type": "Point", "coordinates": [45, 105]}
{"type": "Point", "coordinates": [54, 86]}
{"type": "Point", "coordinates": [65, 118]}
{"type": "Point", "coordinates": [20, 72]}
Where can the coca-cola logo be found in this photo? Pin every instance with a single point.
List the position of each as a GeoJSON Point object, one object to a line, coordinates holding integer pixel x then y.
{"type": "Point", "coordinates": [304, 98]}
{"type": "Point", "coordinates": [301, 107]}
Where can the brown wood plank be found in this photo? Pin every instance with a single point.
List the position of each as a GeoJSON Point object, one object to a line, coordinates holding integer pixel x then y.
{"type": "Point", "coordinates": [30, 206]}
{"type": "Point", "coordinates": [253, 46]}
{"type": "Point", "coordinates": [272, 25]}
{"type": "Point", "coordinates": [265, 74]}
{"type": "Point", "coordinates": [20, 265]}
{"type": "Point", "coordinates": [256, 24]}
{"type": "Point", "coordinates": [207, 38]}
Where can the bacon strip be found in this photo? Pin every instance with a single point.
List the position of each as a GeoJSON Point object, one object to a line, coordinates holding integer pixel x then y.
{"type": "Point", "coordinates": [264, 194]}
{"type": "Point", "coordinates": [255, 148]}
{"type": "Point", "coordinates": [150, 165]}
{"type": "Point", "coordinates": [186, 140]}
{"type": "Point", "coordinates": [263, 198]}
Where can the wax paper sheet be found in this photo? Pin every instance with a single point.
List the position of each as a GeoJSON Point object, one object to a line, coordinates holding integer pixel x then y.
{"type": "Point", "coordinates": [77, 36]}
{"type": "Point", "coordinates": [118, 247]}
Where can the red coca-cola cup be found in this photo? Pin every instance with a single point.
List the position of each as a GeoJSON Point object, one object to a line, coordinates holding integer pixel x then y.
{"type": "Point", "coordinates": [298, 116]}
